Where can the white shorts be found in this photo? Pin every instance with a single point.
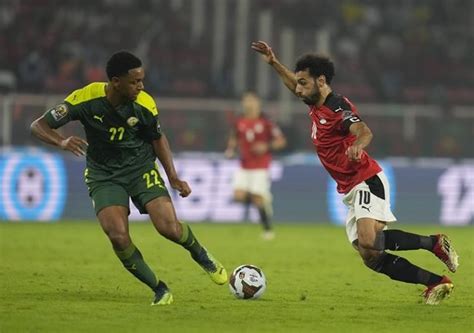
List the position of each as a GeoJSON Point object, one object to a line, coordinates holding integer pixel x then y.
{"type": "Point", "coordinates": [254, 181]}
{"type": "Point", "coordinates": [369, 199]}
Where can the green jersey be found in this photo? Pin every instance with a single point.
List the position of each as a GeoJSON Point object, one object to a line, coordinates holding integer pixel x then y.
{"type": "Point", "coordinates": [119, 138]}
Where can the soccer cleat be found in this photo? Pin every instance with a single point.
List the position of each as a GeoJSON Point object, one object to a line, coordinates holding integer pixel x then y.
{"type": "Point", "coordinates": [438, 292]}
{"type": "Point", "coordinates": [163, 295]}
{"type": "Point", "coordinates": [268, 235]}
{"type": "Point", "coordinates": [216, 271]}
{"type": "Point", "coordinates": [445, 252]}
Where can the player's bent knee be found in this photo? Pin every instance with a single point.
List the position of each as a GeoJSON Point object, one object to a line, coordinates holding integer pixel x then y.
{"type": "Point", "coordinates": [257, 200]}
{"type": "Point", "coordinates": [170, 231]}
{"type": "Point", "coordinates": [365, 241]}
{"type": "Point", "coordinates": [374, 261]}
{"type": "Point", "coordinates": [119, 240]}
{"type": "Point", "coordinates": [240, 196]}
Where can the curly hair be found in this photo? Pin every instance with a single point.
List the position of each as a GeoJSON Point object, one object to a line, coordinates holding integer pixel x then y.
{"type": "Point", "coordinates": [317, 65]}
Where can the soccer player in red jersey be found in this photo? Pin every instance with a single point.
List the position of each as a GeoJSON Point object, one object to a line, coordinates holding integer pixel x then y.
{"type": "Point", "coordinates": [256, 137]}
{"type": "Point", "coordinates": [340, 137]}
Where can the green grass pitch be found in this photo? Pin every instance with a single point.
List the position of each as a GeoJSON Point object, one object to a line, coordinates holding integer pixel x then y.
{"type": "Point", "coordinates": [64, 277]}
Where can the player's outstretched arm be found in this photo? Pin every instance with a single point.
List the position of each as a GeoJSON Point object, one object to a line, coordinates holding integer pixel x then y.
{"type": "Point", "coordinates": [231, 145]}
{"type": "Point", "coordinates": [42, 131]}
{"type": "Point", "coordinates": [287, 76]}
{"type": "Point", "coordinates": [278, 142]}
{"type": "Point", "coordinates": [162, 150]}
{"type": "Point", "coordinates": [364, 136]}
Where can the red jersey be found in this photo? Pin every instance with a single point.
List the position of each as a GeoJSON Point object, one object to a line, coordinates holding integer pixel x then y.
{"type": "Point", "coordinates": [331, 137]}
{"type": "Point", "coordinates": [249, 132]}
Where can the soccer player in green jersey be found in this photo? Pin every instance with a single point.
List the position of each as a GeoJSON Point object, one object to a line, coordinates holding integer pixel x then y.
{"type": "Point", "coordinates": [124, 138]}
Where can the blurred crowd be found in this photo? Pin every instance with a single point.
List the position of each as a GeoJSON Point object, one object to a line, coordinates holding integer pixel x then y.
{"type": "Point", "coordinates": [404, 51]}
{"type": "Point", "coordinates": [413, 51]}
{"type": "Point", "coordinates": [385, 51]}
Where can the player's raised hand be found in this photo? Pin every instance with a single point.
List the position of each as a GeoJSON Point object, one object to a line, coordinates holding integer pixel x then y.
{"type": "Point", "coordinates": [181, 186]}
{"type": "Point", "coordinates": [265, 50]}
{"type": "Point", "coordinates": [74, 144]}
{"type": "Point", "coordinates": [229, 153]}
{"type": "Point", "coordinates": [354, 153]}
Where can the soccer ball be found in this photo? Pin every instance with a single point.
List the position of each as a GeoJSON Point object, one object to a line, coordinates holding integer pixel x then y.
{"type": "Point", "coordinates": [247, 282]}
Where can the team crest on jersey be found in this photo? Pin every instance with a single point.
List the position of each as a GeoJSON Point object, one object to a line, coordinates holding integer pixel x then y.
{"type": "Point", "coordinates": [59, 112]}
{"type": "Point", "coordinates": [258, 128]}
{"type": "Point", "coordinates": [132, 121]}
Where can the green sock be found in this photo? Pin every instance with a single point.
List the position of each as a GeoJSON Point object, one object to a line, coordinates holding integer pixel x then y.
{"type": "Point", "coordinates": [132, 260]}
{"type": "Point", "coordinates": [189, 242]}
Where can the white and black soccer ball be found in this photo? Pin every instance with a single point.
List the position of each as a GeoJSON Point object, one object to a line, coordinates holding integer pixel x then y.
{"type": "Point", "coordinates": [247, 282]}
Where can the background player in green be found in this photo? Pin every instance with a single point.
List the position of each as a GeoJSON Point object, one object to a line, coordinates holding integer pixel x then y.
{"type": "Point", "coordinates": [124, 138]}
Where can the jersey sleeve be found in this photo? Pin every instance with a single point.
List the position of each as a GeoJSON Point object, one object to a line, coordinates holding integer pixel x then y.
{"type": "Point", "coordinates": [151, 129]}
{"type": "Point", "coordinates": [348, 115]}
{"type": "Point", "coordinates": [61, 114]}
{"type": "Point", "coordinates": [155, 128]}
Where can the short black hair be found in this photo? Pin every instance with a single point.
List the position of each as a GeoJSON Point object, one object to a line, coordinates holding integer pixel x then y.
{"type": "Point", "coordinates": [317, 65]}
{"type": "Point", "coordinates": [120, 63]}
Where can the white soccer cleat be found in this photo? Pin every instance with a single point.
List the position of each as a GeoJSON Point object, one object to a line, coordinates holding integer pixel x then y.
{"type": "Point", "coordinates": [444, 250]}
{"type": "Point", "coordinates": [268, 235]}
{"type": "Point", "coordinates": [438, 292]}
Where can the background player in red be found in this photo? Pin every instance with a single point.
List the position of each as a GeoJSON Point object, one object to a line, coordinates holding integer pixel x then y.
{"type": "Point", "coordinates": [256, 137]}
{"type": "Point", "coordinates": [340, 137]}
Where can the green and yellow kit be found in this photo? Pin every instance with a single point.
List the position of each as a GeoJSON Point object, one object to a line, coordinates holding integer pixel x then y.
{"type": "Point", "coordinates": [120, 157]}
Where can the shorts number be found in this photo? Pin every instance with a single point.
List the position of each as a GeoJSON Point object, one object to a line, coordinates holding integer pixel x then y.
{"type": "Point", "coordinates": [152, 179]}
{"type": "Point", "coordinates": [364, 197]}
{"type": "Point", "coordinates": [114, 131]}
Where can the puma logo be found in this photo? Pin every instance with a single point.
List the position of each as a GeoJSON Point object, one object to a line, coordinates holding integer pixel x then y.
{"type": "Point", "coordinates": [365, 207]}
{"type": "Point", "coordinates": [99, 118]}
{"type": "Point", "coordinates": [133, 267]}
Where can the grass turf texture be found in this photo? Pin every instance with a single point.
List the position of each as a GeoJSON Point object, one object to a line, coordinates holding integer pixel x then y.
{"type": "Point", "coordinates": [64, 277]}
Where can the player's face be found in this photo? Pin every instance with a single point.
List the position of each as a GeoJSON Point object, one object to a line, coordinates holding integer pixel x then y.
{"type": "Point", "coordinates": [307, 88]}
{"type": "Point", "coordinates": [251, 105]}
{"type": "Point", "coordinates": [130, 85]}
